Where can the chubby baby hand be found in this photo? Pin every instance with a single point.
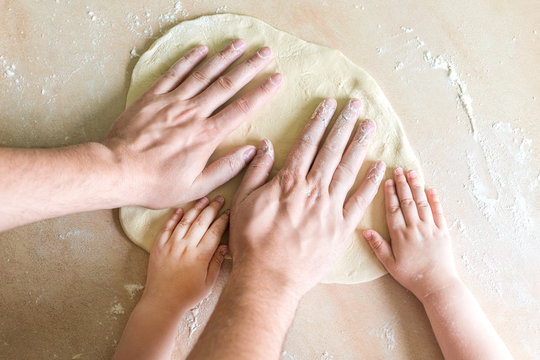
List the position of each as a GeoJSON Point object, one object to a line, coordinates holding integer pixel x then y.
{"type": "Point", "coordinates": [420, 255]}
{"type": "Point", "coordinates": [186, 257]}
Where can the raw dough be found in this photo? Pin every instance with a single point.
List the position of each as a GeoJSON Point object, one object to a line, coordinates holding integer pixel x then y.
{"type": "Point", "coordinates": [311, 73]}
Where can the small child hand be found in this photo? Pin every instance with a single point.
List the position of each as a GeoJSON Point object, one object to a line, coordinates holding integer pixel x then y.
{"type": "Point", "coordinates": [420, 254]}
{"type": "Point", "coordinates": [186, 259]}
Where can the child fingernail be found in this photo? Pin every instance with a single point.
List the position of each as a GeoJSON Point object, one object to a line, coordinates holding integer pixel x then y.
{"type": "Point", "coordinates": [228, 211]}
{"type": "Point", "coordinates": [223, 250]}
{"type": "Point", "coordinates": [398, 171]}
{"type": "Point", "coordinates": [219, 198]}
{"type": "Point", "coordinates": [412, 174]}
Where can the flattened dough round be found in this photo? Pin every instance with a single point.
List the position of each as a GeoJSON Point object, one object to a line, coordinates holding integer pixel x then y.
{"type": "Point", "coordinates": [311, 73]}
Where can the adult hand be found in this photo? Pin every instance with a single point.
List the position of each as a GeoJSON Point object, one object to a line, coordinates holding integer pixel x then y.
{"type": "Point", "coordinates": [291, 230]}
{"type": "Point", "coordinates": [163, 141]}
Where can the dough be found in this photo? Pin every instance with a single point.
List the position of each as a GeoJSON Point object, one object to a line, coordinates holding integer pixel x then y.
{"type": "Point", "coordinates": [311, 73]}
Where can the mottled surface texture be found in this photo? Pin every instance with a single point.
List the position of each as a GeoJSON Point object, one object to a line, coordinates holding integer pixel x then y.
{"type": "Point", "coordinates": [444, 66]}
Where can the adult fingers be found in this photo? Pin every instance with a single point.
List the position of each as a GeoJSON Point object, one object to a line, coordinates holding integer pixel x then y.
{"type": "Point", "coordinates": [417, 189]}
{"type": "Point", "coordinates": [406, 202]}
{"type": "Point", "coordinates": [436, 208]}
{"type": "Point", "coordinates": [204, 220]}
{"type": "Point", "coordinates": [227, 85]}
{"type": "Point", "coordinates": [188, 218]}
{"type": "Point", "coordinates": [331, 151]}
{"type": "Point", "coordinates": [215, 265]}
{"type": "Point", "coordinates": [394, 216]}
{"type": "Point", "coordinates": [257, 171]}
{"type": "Point", "coordinates": [352, 160]}
{"type": "Point", "coordinates": [357, 204]}
{"type": "Point", "coordinates": [304, 150]}
{"type": "Point", "coordinates": [178, 72]}
{"type": "Point", "coordinates": [381, 248]}
{"type": "Point", "coordinates": [234, 114]}
{"type": "Point", "coordinates": [223, 169]}
{"type": "Point", "coordinates": [169, 227]}
{"type": "Point", "coordinates": [208, 72]}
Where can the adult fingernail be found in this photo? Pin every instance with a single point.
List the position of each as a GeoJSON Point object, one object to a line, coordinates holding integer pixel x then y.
{"type": "Point", "coordinates": [238, 44]}
{"type": "Point", "coordinates": [264, 52]}
{"type": "Point", "coordinates": [355, 104]}
{"type": "Point", "coordinates": [249, 154]}
{"type": "Point", "coordinates": [266, 147]}
{"type": "Point", "coordinates": [275, 79]}
{"type": "Point", "coordinates": [377, 172]}
{"type": "Point", "coordinates": [202, 49]}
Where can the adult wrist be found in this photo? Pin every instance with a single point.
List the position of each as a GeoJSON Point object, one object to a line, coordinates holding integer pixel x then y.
{"type": "Point", "coordinates": [265, 283]}
{"type": "Point", "coordinates": [127, 178]}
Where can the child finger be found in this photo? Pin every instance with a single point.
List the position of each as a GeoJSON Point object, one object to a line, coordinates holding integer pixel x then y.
{"type": "Point", "coordinates": [188, 218]}
{"type": "Point", "coordinates": [212, 237]}
{"type": "Point", "coordinates": [417, 188]}
{"type": "Point", "coordinates": [394, 216]}
{"type": "Point", "coordinates": [436, 208]}
{"type": "Point", "coordinates": [381, 248]}
{"type": "Point", "coordinates": [168, 228]}
{"type": "Point", "coordinates": [406, 202]}
{"type": "Point", "coordinates": [214, 267]}
{"type": "Point", "coordinates": [204, 220]}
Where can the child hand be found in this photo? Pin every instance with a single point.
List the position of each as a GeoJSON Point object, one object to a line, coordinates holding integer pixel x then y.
{"type": "Point", "coordinates": [186, 259]}
{"type": "Point", "coordinates": [420, 254]}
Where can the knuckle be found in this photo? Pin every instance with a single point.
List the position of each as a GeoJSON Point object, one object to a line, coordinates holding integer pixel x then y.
{"type": "Point", "coordinates": [330, 148]}
{"type": "Point", "coordinates": [225, 82]}
{"type": "Point", "coordinates": [230, 164]}
{"type": "Point", "coordinates": [171, 74]}
{"type": "Point", "coordinates": [407, 202]}
{"type": "Point", "coordinates": [360, 201]}
{"type": "Point", "coordinates": [287, 180]}
{"type": "Point", "coordinates": [346, 171]}
{"type": "Point", "coordinates": [422, 204]}
{"type": "Point", "coordinates": [224, 54]}
{"type": "Point", "coordinates": [394, 209]}
{"type": "Point", "coordinates": [242, 105]}
{"type": "Point", "coordinates": [200, 76]}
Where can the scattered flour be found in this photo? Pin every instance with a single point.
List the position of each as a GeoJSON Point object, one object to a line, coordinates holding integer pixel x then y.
{"type": "Point", "coordinates": [386, 333]}
{"type": "Point", "coordinates": [132, 289]}
{"type": "Point", "coordinates": [440, 62]}
{"type": "Point", "coordinates": [287, 356]}
{"type": "Point", "coordinates": [193, 320]}
{"type": "Point", "coordinates": [117, 309]}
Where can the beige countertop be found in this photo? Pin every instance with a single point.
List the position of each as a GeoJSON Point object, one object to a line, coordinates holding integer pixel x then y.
{"type": "Point", "coordinates": [445, 66]}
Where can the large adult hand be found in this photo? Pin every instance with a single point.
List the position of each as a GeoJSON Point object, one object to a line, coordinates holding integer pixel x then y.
{"type": "Point", "coordinates": [163, 141]}
{"type": "Point", "coordinates": [291, 230]}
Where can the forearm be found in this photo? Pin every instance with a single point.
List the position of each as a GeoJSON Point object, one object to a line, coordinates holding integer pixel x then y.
{"type": "Point", "coordinates": [462, 329]}
{"type": "Point", "coordinates": [250, 321]}
{"type": "Point", "coordinates": [150, 332]}
{"type": "Point", "coordinates": [36, 184]}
